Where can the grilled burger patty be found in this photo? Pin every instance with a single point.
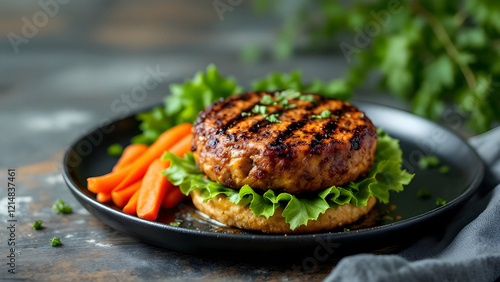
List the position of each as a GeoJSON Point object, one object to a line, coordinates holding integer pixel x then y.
{"type": "Point", "coordinates": [301, 153]}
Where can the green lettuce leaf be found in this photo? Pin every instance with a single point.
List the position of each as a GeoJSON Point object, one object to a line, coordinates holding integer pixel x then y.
{"type": "Point", "coordinates": [185, 102]}
{"type": "Point", "coordinates": [385, 175]}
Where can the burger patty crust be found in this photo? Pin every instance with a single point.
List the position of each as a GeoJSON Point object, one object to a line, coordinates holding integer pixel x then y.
{"type": "Point", "coordinates": [298, 154]}
{"type": "Point", "coordinates": [222, 210]}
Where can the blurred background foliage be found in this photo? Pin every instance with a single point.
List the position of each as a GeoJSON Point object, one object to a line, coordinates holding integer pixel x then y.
{"type": "Point", "coordinates": [436, 54]}
{"type": "Point", "coordinates": [440, 58]}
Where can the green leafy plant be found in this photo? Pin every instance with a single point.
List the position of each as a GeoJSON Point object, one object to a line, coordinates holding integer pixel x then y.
{"type": "Point", "coordinates": [385, 175]}
{"type": "Point", "coordinates": [428, 52]}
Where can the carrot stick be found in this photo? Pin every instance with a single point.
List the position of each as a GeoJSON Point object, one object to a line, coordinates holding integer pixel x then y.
{"type": "Point", "coordinates": [155, 185]}
{"type": "Point", "coordinates": [131, 153]}
{"type": "Point", "coordinates": [131, 206]}
{"type": "Point", "coordinates": [172, 198]}
{"type": "Point", "coordinates": [135, 171]}
{"type": "Point", "coordinates": [108, 182]}
{"type": "Point", "coordinates": [103, 197]}
{"type": "Point", "coordinates": [166, 140]}
{"type": "Point", "coordinates": [122, 196]}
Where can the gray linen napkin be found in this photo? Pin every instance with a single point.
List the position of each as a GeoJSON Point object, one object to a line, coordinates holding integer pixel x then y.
{"type": "Point", "coordinates": [468, 251]}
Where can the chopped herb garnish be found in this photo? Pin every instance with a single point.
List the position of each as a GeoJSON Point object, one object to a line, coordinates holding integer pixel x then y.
{"type": "Point", "coordinates": [175, 223]}
{"type": "Point", "coordinates": [244, 114]}
{"type": "Point", "coordinates": [258, 109]}
{"type": "Point", "coordinates": [286, 104]}
{"type": "Point", "coordinates": [280, 96]}
{"type": "Point", "coordinates": [37, 225]}
{"type": "Point", "coordinates": [308, 98]}
{"type": "Point", "coordinates": [61, 207]}
{"type": "Point", "coordinates": [284, 95]}
{"type": "Point", "coordinates": [288, 94]}
{"type": "Point", "coordinates": [324, 114]}
{"type": "Point", "coordinates": [440, 202]}
{"type": "Point", "coordinates": [444, 169]}
{"type": "Point", "coordinates": [428, 162]}
{"type": "Point", "coordinates": [267, 100]}
{"type": "Point", "coordinates": [347, 229]}
{"type": "Point", "coordinates": [54, 242]}
{"type": "Point", "coordinates": [423, 193]}
{"type": "Point", "coordinates": [115, 150]}
{"type": "Point", "coordinates": [273, 118]}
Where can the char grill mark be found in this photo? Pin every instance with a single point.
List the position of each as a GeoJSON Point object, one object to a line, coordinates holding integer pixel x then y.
{"type": "Point", "coordinates": [316, 104]}
{"type": "Point", "coordinates": [258, 126]}
{"type": "Point", "coordinates": [356, 139]}
{"type": "Point", "coordinates": [209, 112]}
{"type": "Point", "coordinates": [326, 132]}
{"type": "Point", "coordinates": [316, 141]}
{"type": "Point", "coordinates": [291, 128]}
{"type": "Point", "coordinates": [294, 126]}
{"type": "Point", "coordinates": [278, 146]}
{"type": "Point", "coordinates": [330, 127]}
{"type": "Point", "coordinates": [234, 121]}
{"type": "Point", "coordinates": [345, 108]}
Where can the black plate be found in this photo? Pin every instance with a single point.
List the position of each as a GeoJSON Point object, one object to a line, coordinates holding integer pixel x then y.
{"type": "Point", "coordinates": [407, 217]}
